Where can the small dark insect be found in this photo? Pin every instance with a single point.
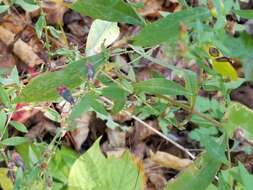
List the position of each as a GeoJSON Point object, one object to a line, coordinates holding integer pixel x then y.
{"type": "Point", "coordinates": [16, 158]}
{"type": "Point", "coordinates": [90, 72]}
{"type": "Point", "coordinates": [66, 94]}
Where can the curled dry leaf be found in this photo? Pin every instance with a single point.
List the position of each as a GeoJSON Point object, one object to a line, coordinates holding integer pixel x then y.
{"type": "Point", "coordinates": [151, 8]}
{"type": "Point", "coordinates": [23, 113]}
{"type": "Point", "coordinates": [139, 150]}
{"type": "Point", "coordinates": [77, 29]}
{"type": "Point", "coordinates": [11, 36]}
{"type": "Point", "coordinates": [155, 174]}
{"type": "Point", "coordinates": [7, 60]}
{"type": "Point", "coordinates": [141, 132]}
{"type": "Point", "coordinates": [19, 36]}
{"type": "Point", "coordinates": [157, 180]}
{"type": "Point", "coordinates": [121, 117]}
{"type": "Point", "coordinates": [170, 161]}
{"type": "Point", "coordinates": [116, 144]}
{"type": "Point", "coordinates": [243, 94]}
{"type": "Point", "coordinates": [41, 129]}
{"type": "Point", "coordinates": [116, 138]}
{"type": "Point", "coordinates": [80, 134]}
{"type": "Point", "coordinates": [54, 12]}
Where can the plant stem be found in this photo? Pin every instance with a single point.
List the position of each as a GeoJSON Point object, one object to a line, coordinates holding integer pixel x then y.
{"type": "Point", "coordinates": [190, 110]}
{"type": "Point", "coordinates": [154, 130]}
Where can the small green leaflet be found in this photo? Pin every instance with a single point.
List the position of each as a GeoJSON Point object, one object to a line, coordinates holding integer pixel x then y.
{"type": "Point", "coordinates": [3, 8]}
{"type": "Point", "coordinates": [14, 141]}
{"type": "Point", "coordinates": [160, 86]}
{"type": "Point", "coordinates": [19, 126]}
{"type": "Point", "coordinates": [27, 6]}
{"type": "Point", "coordinates": [40, 24]}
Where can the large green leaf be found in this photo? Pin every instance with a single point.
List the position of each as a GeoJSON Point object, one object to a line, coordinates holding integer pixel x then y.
{"type": "Point", "coordinates": [168, 28]}
{"type": "Point", "coordinates": [238, 116]}
{"type": "Point", "coordinates": [161, 86]}
{"type": "Point", "coordinates": [43, 87]}
{"type": "Point", "coordinates": [198, 175]}
{"type": "Point", "coordinates": [111, 10]}
{"type": "Point", "coordinates": [93, 171]}
{"type": "Point", "coordinates": [248, 14]}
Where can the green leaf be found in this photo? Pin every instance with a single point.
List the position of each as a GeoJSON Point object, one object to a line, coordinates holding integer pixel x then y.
{"type": "Point", "coordinates": [248, 14]}
{"type": "Point", "coordinates": [214, 149]}
{"type": "Point", "coordinates": [4, 98]}
{"type": "Point", "coordinates": [55, 33]}
{"type": "Point", "coordinates": [3, 118]}
{"type": "Point", "coordinates": [19, 126]}
{"type": "Point", "coordinates": [52, 115]}
{"type": "Point", "coordinates": [117, 95]}
{"type": "Point", "coordinates": [27, 6]}
{"type": "Point", "coordinates": [61, 163]}
{"type": "Point", "coordinates": [93, 171]}
{"type": "Point", "coordinates": [5, 182]}
{"type": "Point", "coordinates": [14, 141]}
{"type": "Point", "coordinates": [3, 8]}
{"type": "Point", "coordinates": [160, 86]}
{"type": "Point", "coordinates": [95, 104]}
{"type": "Point", "coordinates": [87, 103]}
{"type": "Point", "coordinates": [238, 116]}
{"type": "Point", "coordinates": [102, 33]}
{"type": "Point", "coordinates": [80, 108]}
{"type": "Point", "coordinates": [114, 11]}
{"type": "Point", "coordinates": [14, 75]}
{"type": "Point", "coordinates": [31, 153]}
{"type": "Point", "coordinates": [198, 175]}
{"type": "Point", "coordinates": [201, 122]}
{"type": "Point", "coordinates": [191, 85]}
{"type": "Point", "coordinates": [242, 176]}
{"type": "Point", "coordinates": [40, 24]}
{"type": "Point", "coordinates": [168, 28]}
{"type": "Point", "coordinates": [43, 87]}
{"type": "Point", "coordinates": [212, 187]}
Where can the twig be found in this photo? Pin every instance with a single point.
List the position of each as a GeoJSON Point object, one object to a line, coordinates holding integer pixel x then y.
{"type": "Point", "coordinates": [154, 130]}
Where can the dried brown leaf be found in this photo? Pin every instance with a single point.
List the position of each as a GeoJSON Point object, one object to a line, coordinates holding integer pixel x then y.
{"type": "Point", "coordinates": [170, 161]}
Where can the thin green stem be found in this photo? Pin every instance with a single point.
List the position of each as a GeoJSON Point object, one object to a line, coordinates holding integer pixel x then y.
{"type": "Point", "coordinates": [189, 109]}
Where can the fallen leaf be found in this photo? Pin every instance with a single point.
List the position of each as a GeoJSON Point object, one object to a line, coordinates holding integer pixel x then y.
{"type": "Point", "coordinates": [170, 161]}
{"type": "Point", "coordinates": [81, 131]}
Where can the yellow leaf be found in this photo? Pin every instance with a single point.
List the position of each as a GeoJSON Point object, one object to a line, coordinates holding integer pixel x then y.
{"type": "Point", "coordinates": [5, 182]}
